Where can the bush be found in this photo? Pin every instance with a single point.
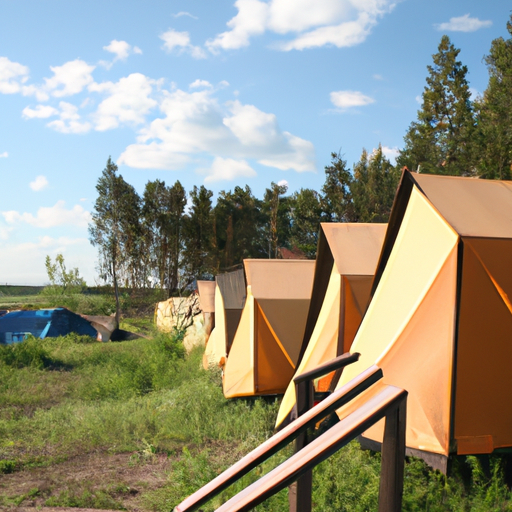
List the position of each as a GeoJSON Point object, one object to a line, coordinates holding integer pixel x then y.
{"type": "Point", "coordinates": [28, 353]}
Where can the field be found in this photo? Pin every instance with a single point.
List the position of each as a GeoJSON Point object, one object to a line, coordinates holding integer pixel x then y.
{"type": "Point", "coordinates": [139, 425]}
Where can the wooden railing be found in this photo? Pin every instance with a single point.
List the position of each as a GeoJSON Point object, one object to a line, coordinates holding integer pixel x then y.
{"type": "Point", "coordinates": [389, 402]}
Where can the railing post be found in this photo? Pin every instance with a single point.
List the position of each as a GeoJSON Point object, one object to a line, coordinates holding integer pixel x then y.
{"type": "Point", "coordinates": [299, 493]}
{"type": "Point", "coordinates": [393, 460]}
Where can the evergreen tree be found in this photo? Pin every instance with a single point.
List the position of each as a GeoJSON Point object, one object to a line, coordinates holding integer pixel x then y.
{"type": "Point", "coordinates": [113, 226]}
{"type": "Point", "coordinates": [275, 209]}
{"type": "Point", "coordinates": [198, 235]}
{"type": "Point", "coordinates": [238, 227]}
{"type": "Point", "coordinates": [306, 211]}
{"type": "Point", "coordinates": [494, 147]}
{"type": "Point", "coordinates": [373, 187]}
{"type": "Point", "coordinates": [336, 200]}
{"type": "Point", "coordinates": [439, 142]}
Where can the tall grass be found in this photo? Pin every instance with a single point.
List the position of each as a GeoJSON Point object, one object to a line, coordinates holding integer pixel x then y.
{"type": "Point", "coordinates": [71, 395]}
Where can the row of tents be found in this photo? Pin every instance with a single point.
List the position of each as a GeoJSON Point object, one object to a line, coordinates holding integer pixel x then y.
{"type": "Point", "coordinates": [427, 298]}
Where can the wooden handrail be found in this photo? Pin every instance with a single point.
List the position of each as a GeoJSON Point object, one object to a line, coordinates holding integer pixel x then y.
{"type": "Point", "coordinates": [275, 443]}
{"type": "Point", "coordinates": [390, 402]}
{"type": "Point", "coordinates": [300, 492]}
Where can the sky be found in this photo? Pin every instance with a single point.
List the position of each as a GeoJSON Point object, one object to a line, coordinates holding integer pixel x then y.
{"type": "Point", "coordinates": [218, 93]}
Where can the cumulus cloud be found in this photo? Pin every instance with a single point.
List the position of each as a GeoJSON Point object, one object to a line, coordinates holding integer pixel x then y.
{"type": "Point", "coordinates": [121, 50]}
{"type": "Point", "coordinates": [348, 99]}
{"type": "Point", "coordinates": [463, 24]}
{"type": "Point", "coordinates": [313, 23]}
{"type": "Point", "coordinates": [69, 120]}
{"type": "Point", "coordinates": [39, 183]}
{"type": "Point", "coordinates": [194, 124]}
{"type": "Point", "coordinates": [180, 42]}
{"type": "Point", "coordinates": [4, 154]}
{"type": "Point", "coordinates": [12, 76]}
{"type": "Point", "coordinates": [128, 101]}
{"type": "Point", "coordinates": [48, 217]}
{"type": "Point", "coordinates": [227, 169]}
{"type": "Point", "coordinates": [40, 112]}
{"type": "Point", "coordinates": [200, 83]}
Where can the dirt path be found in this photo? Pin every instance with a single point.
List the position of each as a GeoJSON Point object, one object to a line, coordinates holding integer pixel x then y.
{"type": "Point", "coordinates": [124, 477]}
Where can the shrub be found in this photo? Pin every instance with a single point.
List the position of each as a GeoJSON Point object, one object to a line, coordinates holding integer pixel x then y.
{"type": "Point", "coordinates": [28, 353]}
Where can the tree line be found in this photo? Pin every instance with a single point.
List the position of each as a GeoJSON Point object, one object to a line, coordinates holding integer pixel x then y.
{"type": "Point", "coordinates": [154, 240]}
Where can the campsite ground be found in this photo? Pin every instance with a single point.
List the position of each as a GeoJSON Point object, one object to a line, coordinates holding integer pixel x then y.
{"type": "Point", "coordinates": [139, 425]}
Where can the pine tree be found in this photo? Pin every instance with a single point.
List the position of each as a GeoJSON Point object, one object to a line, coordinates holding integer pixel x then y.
{"type": "Point", "coordinates": [439, 142]}
{"type": "Point", "coordinates": [275, 209]}
{"type": "Point", "coordinates": [494, 148]}
{"type": "Point", "coordinates": [306, 211]}
{"type": "Point", "coordinates": [337, 197]}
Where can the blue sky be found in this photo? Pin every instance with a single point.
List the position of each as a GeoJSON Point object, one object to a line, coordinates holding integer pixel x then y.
{"type": "Point", "coordinates": [220, 93]}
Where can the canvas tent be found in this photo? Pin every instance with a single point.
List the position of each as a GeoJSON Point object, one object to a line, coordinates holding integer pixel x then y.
{"type": "Point", "coordinates": [440, 320]}
{"type": "Point", "coordinates": [206, 293]}
{"type": "Point", "coordinates": [267, 343]}
{"type": "Point", "coordinates": [228, 304]}
{"type": "Point", "coordinates": [347, 256]}
{"type": "Point", "coordinates": [43, 323]}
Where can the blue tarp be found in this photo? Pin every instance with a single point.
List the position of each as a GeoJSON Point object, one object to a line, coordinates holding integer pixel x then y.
{"type": "Point", "coordinates": [17, 325]}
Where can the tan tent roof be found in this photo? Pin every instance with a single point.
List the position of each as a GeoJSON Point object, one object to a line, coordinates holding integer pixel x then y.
{"type": "Point", "coordinates": [439, 323]}
{"type": "Point", "coordinates": [268, 339]}
{"type": "Point", "coordinates": [206, 290]}
{"type": "Point", "coordinates": [347, 256]}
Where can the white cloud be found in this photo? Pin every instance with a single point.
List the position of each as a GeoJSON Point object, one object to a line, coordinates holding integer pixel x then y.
{"type": "Point", "coordinates": [69, 79]}
{"type": "Point", "coordinates": [4, 154]}
{"type": "Point", "coordinates": [227, 169]}
{"type": "Point", "coordinates": [12, 76]}
{"type": "Point", "coordinates": [40, 112]}
{"type": "Point", "coordinates": [194, 124]}
{"type": "Point", "coordinates": [348, 99]}
{"type": "Point", "coordinates": [180, 41]}
{"type": "Point", "coordinates": [390, 153]}
{"type": "Point", "coordinates": [128, 101]}
{"type": "Point", "coordinates": [283, 183]}
{"type": "Point", "coordinates": [48, 217]}
{"type": "Point", "coordinates": [313, 23]}
{"type": "Point", "coordinates": [39, 183]}
{"type": "Point", "coordinates": [183, 13]}
{"type": "Point", "coordinates": [196, 84]}
{"type": "Point", "coordinates": [378, 77]}
{"type": "Point", "coordinates": [419, 99]}
{"type": "Point", "coordinates": [121, 50]}
{"type": "Point", "coordinates": [69, 120]}
{"type": "Point", "coordinates": [463, 24]}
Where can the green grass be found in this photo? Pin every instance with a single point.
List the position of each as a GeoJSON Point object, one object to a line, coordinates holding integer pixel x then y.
{"type": "Point", "coordinates": [65, 397]}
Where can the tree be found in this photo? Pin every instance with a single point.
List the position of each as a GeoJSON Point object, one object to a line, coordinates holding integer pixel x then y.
{"type": "Point", "coordinates": [439, 142]}
{"type": "Point", "coordinates": [306, 211]}
{"type": "Point", "coordinates": [163, 217]}
{"type": "Point", "coordinates": [238, 227]}
{"type": "Point", "coordinates": [199, 235]}
{"type": "Point", "coordinates": [61, 280]}
{"type": "Point", "coordinates": [373, 187]}
{"type": "Point", "coordinates": [114, 220]}
{"type": "Point", "coordinates": [277, 217]}
{"type": "Point", "coordinates": [336, 200]}
{"type": "Point", "coordinates": [494, 147]}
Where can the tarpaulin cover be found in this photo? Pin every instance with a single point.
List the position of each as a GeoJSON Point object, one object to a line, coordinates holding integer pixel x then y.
{"type": "Point", "coordinates": [43, 323]}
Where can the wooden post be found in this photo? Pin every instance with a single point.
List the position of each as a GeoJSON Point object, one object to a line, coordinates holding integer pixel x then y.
{"type": "Point", "coordinates": [299, 493]}
{"type": "Point", "coordinates": [393, 460]}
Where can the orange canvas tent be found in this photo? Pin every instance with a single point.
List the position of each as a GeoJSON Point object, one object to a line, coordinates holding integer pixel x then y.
{"type": "Point", "coordinates": [206, 293]}
{"type": "Point", "coordinates": [267, 342]}
{"type": "Point", "coordinates": [347, 256]}
{"type": "Point", "coordinates": [439, 323]}
{"type": "Point", "coordinates": [228, 303]}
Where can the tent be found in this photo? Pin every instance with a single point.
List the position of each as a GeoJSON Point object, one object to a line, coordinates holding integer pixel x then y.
{"type": "Point", "coordinates": [267, 342]}
{"type": "Point", "coordinates": [43, 323]}
{"type": "Point", "coordinates": [347, 256]}
{"type": "Point", "coordinates": [439, 323]}
{"type": "Point", "coordinates": [206, 293]}
{"type": "Point", "coordinates": [228, 304]}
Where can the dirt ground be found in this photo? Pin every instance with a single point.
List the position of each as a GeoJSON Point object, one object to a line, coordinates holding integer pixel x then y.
{"type": "Point", "coordinates": [126, 475]}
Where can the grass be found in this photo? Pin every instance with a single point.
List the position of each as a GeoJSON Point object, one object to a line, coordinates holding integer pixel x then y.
{"type": "Point", "coordinates": [153, 407]}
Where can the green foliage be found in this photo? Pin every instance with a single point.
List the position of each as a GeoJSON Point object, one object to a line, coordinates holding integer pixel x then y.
{"type": "Point", "coordinates": [28, 353]}
{"type": "Point", "coordinates": [61, 280]}
{"type": "Point", "coordinates": [306, 213]}
{"type": "Point", "coordinates": [89, 498]}
{"type": "Point", "coordinates": [439, 142]}
{"type": "Point", "coordinates": [277, 218]}
{"type": "Point", "coordinates": [337, 201]}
